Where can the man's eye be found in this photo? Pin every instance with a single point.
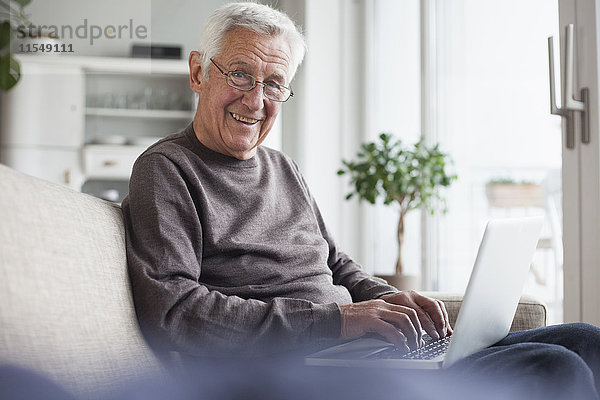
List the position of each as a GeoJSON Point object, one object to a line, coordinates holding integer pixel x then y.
{"type": "Point", "coordinates": [238, 75]}
{"type": "Point", "coordinates": [273, 85]}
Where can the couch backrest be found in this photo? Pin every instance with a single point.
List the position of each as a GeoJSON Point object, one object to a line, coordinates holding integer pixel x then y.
{"type": "Point", "coordinates": [66, 308]}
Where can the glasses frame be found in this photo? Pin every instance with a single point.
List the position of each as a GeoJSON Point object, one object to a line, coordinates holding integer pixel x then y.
{"type": "Point", "coordinates": [255, 82]}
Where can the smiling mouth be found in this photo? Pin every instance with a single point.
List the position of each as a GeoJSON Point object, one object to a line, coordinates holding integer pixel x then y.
{"type": "Point", "coordinates": [248, 121]}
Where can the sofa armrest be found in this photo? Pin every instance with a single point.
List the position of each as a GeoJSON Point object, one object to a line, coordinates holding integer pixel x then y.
{"type": "Point", "coordinates": [531, 313]}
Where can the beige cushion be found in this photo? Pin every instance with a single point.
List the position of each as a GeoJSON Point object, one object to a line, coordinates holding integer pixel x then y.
{"type": "Point", "coordinates": [65, 304]}
{"type": "Point", "coordinates": [530, 314]}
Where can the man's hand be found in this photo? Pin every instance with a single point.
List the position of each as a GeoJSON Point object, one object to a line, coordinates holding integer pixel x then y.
{"type": "Point", "coordinates": [398, 317]}
{"type": "Point", "coordinates": [398, 324]}
{"type": "Point", "coordinates": [431, 312]}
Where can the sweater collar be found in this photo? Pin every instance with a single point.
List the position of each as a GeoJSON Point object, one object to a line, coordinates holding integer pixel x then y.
{"type": "Point", "coordinates": [209, 154]}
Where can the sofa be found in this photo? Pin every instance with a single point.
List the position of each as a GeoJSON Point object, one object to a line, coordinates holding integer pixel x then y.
{"type": "Point", "coordinates": [66, 308]}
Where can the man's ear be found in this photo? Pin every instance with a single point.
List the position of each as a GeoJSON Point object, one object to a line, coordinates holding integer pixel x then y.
{"type": "Point", "coordinates": [196, 78]}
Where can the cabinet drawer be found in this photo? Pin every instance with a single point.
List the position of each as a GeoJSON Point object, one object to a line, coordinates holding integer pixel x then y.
{"type": "Point", "coordinates": [104, 161]}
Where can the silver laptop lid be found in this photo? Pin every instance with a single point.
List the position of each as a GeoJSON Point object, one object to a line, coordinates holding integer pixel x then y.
{"type": "Point", "coordinates": [495, 286]}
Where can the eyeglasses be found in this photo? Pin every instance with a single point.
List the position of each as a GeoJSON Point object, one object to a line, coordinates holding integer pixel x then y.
{"type": "Point", "coordinates": [245, 82]}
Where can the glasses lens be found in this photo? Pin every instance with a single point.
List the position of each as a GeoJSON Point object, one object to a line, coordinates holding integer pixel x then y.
{"type": "Point", "coordinates": [240, 80]}
{"type": "Point", "coordinates": [277, 92]}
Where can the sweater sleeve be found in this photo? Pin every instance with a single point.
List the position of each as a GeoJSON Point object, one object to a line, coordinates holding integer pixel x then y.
{"type": "Point", "coordinates": [176, 311]}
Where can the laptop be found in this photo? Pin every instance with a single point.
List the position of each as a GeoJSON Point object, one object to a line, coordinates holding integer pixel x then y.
{"type": "Point", "coordinates": [486, 314]}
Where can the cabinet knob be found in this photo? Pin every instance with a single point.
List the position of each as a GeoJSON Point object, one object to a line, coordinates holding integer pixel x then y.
{"type": "Point", "coordinates": [68, 177]}
{"type": "Point", "coordinates": [110, 163]}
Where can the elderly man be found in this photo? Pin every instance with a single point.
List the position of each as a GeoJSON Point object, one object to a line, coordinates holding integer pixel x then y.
{"type": "Point", "coordinates": [228, 252]}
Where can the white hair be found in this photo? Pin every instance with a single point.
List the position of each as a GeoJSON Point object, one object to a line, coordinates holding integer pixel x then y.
{"type": "Point", "coordinates": [259, 18]}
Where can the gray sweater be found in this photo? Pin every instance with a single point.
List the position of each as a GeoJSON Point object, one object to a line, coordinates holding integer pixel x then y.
{"type": "Point", "coordinates": [231, 255]}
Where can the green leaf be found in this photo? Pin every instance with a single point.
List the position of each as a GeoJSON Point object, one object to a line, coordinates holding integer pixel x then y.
{"type": "Point", "coordinates": [5, 33]}
{"type": "Point", "coordinates": [10, 72]}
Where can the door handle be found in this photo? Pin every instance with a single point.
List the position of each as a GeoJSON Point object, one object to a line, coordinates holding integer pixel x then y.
{"type": "Point", "coordinates": [570, 104]}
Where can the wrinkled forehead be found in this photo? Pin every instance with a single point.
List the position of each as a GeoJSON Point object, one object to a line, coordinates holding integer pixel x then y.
{"type": "Point", "coordinates": [245, 48]}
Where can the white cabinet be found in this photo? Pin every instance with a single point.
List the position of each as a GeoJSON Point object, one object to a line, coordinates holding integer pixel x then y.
{"type": "Point", "coordinates": [82, 121]}
{"type": "Point", "coordinates": [45, 108]}
{"type": "Point", "coordinates": [60, 165]}
{"type": "Point", "coordinates": [109, 161]}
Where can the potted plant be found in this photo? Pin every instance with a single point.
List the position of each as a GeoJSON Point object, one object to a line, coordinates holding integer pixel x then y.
{"type": "Point", "coordinates": [409, 177]}
{"type": "Point", "coordinates": [12, 16]}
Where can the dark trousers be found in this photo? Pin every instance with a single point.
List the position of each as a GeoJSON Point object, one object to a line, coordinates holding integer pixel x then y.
{"type": "Point", "coordinates": [561, 361]}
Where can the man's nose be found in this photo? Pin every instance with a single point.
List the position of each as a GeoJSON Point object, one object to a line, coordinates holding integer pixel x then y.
{"type": "Point", "coordinates": [254, 99]}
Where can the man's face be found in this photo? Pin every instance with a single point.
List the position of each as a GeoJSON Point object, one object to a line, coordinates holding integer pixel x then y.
{"type": "Point", "coordinates": [231, 121]}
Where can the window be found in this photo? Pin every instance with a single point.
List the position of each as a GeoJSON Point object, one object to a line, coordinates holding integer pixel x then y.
{"type": "Point", "coordinates": [486, 101]}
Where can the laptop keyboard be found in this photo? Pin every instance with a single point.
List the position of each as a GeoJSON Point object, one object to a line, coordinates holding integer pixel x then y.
{"type": "Point", "coordinates": [432, 349]}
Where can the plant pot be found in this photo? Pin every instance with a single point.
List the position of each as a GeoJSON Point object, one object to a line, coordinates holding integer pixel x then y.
{"type": "Point", "coordinates": [514, 195]}
{"type": "Point", "coordinates": [403, 282]}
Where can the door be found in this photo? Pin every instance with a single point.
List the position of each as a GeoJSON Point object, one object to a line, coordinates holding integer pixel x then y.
{"type": "Point", "coordinates": [581, 167]}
